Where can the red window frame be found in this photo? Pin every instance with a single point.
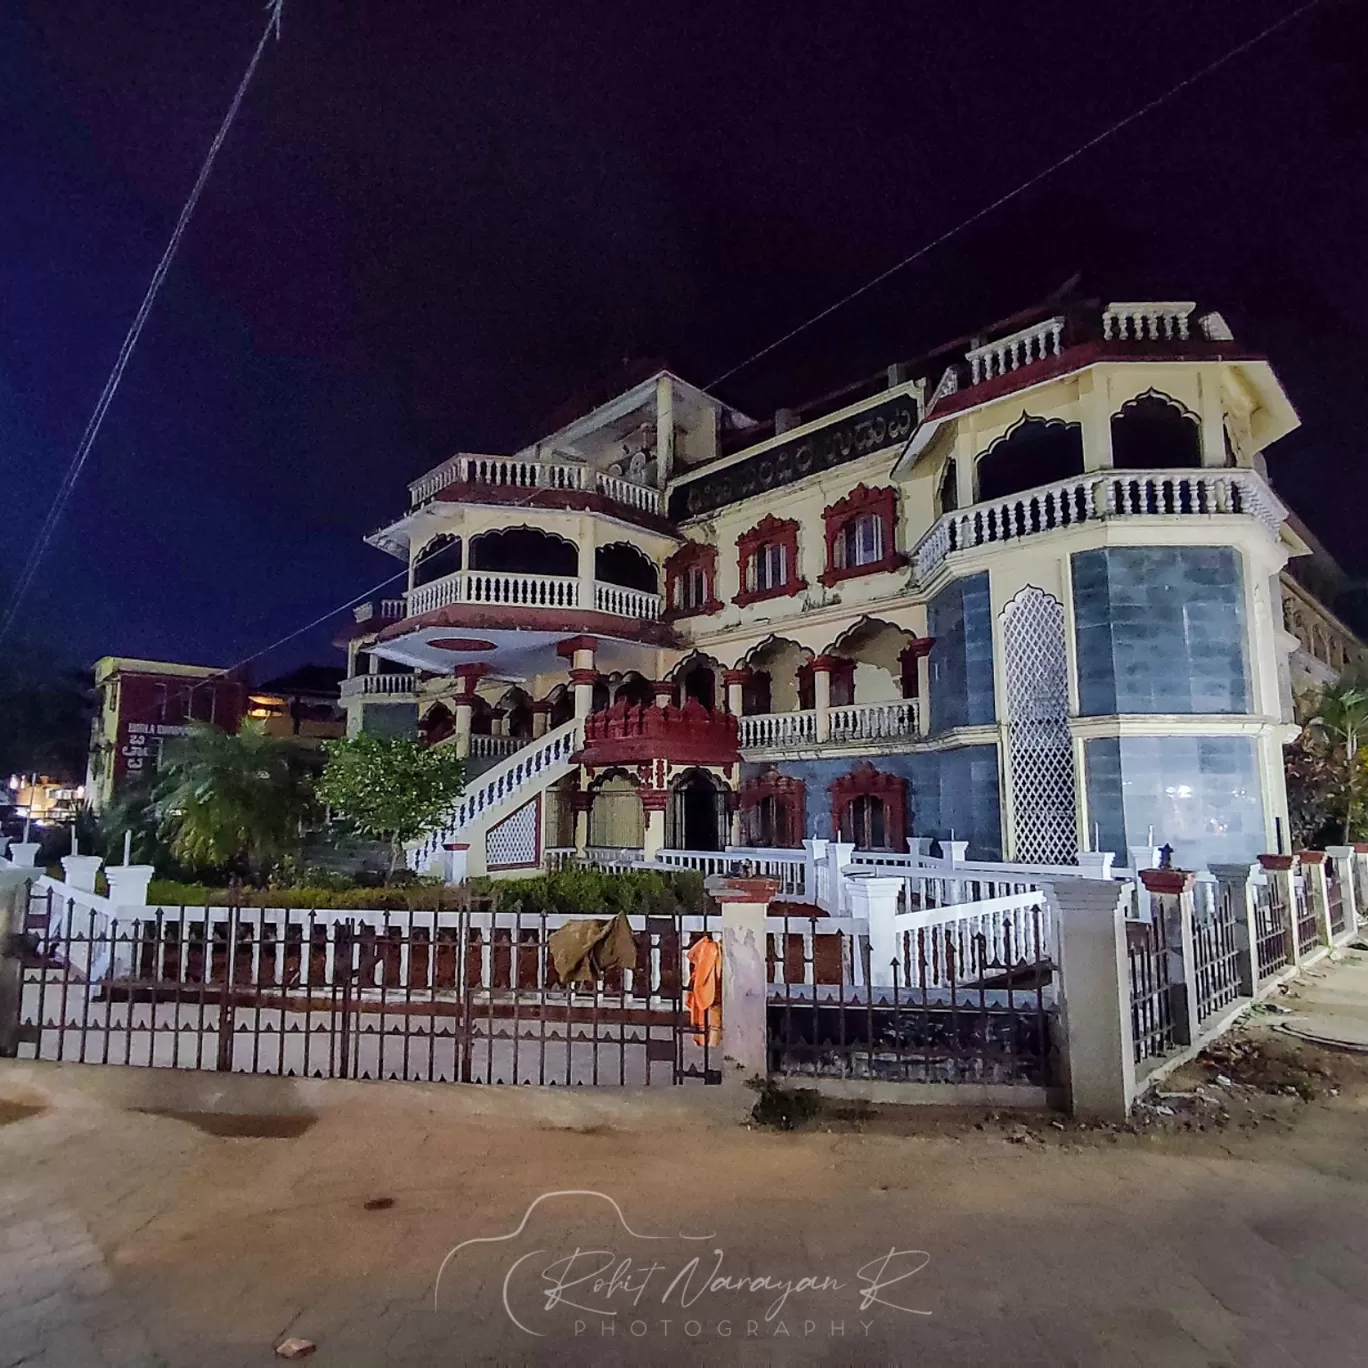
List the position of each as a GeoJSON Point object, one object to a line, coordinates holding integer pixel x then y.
{"type": "Point", "coordinates": [769, 531]}
{"type": "Point", "coordinates": [789, 795]}
{"type": "Point", "coordinates": [865, 781]}
{"type": "Point", "coordinates": [861, 501]}
{"type": "Point", "coordinates": [692, 556]}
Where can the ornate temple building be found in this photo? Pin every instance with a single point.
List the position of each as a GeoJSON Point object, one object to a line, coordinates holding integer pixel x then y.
{"type": "Point", "coordinates": [1027, 592]}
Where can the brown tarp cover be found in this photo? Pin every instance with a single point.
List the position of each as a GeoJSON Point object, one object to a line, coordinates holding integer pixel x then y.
{"type": "Point", "coordinates": [582, 950]}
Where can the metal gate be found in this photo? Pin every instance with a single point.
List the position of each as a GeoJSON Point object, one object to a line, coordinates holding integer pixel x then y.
{"type": "Point", "coordinates": [461, 996]}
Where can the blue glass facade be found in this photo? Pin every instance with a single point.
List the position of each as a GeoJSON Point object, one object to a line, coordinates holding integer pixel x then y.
{"type": "Point", "coordinates": [1160, 629]}
{"type": "Point", "coordinates": [1199, 794]}
{"type": "Point", "coordinates": [960, 620]}
{"type": "Point", "coordinates": [948, 792]}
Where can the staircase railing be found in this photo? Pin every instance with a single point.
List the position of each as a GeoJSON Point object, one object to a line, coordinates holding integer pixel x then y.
{"type": "Point", "coordinates": [520, 770]}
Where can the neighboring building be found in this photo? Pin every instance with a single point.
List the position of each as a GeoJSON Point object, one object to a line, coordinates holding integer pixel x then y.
{"type": "Point", "coordinates": [304, 703]}
{"type": "Point", "coordinates": [1319, 607]}
{"type": "Point", "coordinates": [141, 703]}
{"type": "Point", "coordinates": [1023, 592]}
{"type": "Point", "coordinates": [39, 799]}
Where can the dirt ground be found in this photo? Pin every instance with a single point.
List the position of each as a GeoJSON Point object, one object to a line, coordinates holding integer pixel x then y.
{"type": "Point", "coordinates": [155, 1217]}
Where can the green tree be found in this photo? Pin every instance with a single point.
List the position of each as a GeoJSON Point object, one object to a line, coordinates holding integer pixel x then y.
{"type": "Point", "coordinates": [1337, 736]}
{"type": "Point", "coordinates": [390, 788]}
{"type": "Point", "coordinates": [234, 799]}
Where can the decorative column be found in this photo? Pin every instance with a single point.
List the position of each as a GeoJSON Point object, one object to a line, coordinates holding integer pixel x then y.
{"type": "Point", "coordinates": [467, 676]}
{"type": "Point", "coordinates": [664, 692]}
{"type": "Point", "coordinates": [586, 548]}
{"type": "Point", "coordinates": [1170, 893]}
{"type": "Point", "coordinates": [822, 666]}
{"type": "Point", "coordinates": [653, 803]}
{"type": "Point", "coordinates": [580, 652]}
{"type": "Point", "coordinates": [1313, 867]}
{"type": "Point", "coordinates": [24, 854]}
{"type": "Point", "coordinates": [745, 1032]}
{"type": "Point", "coordinates": [1279, 869]}
{"type": "Point", "coordinates": [581, 802]}
{"type": "Point", "coordinates": [1343, 856]}
{"type": "Point", "coordinates": [1233, 881]}
{"type": "Point", "coordinates": [735, 681]}
{"type": "Point", "coordinates": [541, 718]}
{"type": "Point", "coordinates": [498, 722]}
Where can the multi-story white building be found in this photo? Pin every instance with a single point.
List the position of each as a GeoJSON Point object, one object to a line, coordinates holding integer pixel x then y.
{"type": "Point", "coordinates": [1024, 592]}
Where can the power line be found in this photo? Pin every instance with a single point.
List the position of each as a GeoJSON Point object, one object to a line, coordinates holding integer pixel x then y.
{"type": "Point", "coordinates": [92, 427]}
{"type": "Point", "coordinates": [1027, 184]}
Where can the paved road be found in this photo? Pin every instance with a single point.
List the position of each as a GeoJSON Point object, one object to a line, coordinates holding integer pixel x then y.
{"type": "Point", "coordinates": [129, 1238]}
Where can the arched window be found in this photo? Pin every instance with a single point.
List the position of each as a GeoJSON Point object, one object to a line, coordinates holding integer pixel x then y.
{"type": "Point", "coordinates": [624, 564]}
{"type": "Point", "coordinates": [772, 810]}
{"type": "Point", "coordinates": [1035, 452]}
{"type": "Point", "coordinates": [700, 684]}
{"type": "Point", "coordinates": [869, 809]}
{"type": "Point", "coordinates": [1153, 432]}
{"type": "Point", "coordinates": [768, 560]}
{"type": "Point", "coordinates": [438, 557]}
{"type": "Point", "coordinates": [860, 533]}
{"type": "Point", "coordinates": [756, 696]}
{"type": "Point", "coordinates": [635, 690]}
{"type": "Point", "coordinates": [524, 551]}
{"type": "Point", "coordinates": [697, 816]}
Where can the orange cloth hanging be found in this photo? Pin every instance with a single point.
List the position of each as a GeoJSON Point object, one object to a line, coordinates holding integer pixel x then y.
{"type": "Point", "coordinates": [704, 995]}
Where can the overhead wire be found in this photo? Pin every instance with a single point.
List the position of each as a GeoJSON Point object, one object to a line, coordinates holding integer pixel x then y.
{"type": "Point", "coordinates": [1238, 50]}
{"type": "Point", "coordinates": [130, 342]}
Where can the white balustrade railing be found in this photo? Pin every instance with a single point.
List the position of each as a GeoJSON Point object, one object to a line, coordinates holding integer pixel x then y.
{"type": "Point", "coordinates": [482, 747]}
{"type": "Point", "coordinates": [1094, 497]}
{"type": "Point", "coordinates": [952, 944]}
{"type": "Point", "coordinates": [522, 771]}
{"type": "Point", "coordinates": [363, 684]}
{"type": "Point", "coordinates": [518, 472]}
{"type": "Point", "coordinates": [530, 591]}
{"type": "Point", "coordinates": [873, 721]}
{"type": "Point", "coordinates": [778, 730]}
{"type": "Point", "coordinates": [789, 867]}
{"type": "Point", "coordinates": [1016, 350]}
{"type": "Point", "coordinates": [623, 602]}
{"type": "Point", "coordinates": [1157, 321]}
{"type": "Point", "coordinates": [625, 492]}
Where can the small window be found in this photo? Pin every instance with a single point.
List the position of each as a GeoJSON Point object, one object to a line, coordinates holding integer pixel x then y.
{"type": "Point", "coordinates": [771, 823]}
{"type": "Point", "coordinates": [865, 823]}
{"type": "Point", "coordinates": [691, 588]}
{"type": "Point", "coordinates": [860, 542]}
{"type": "Point", "coordinates": [768, 568]}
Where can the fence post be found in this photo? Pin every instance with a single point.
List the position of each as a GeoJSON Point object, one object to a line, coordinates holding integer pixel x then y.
{"type": "Point", "coordinates": [1096, 1044]}
{"type": "Point", "coordinates": [1313, 867]}
{"type": "Point", "coordinates": [14, 892]}
{"type": "Point", "coordinates": [1344, 858]}
{"type": "Point", "coordinates": [745, 1030]}
{"type": "Point", "coordinates": [1171, 892]}
{"type": "Point", "coordinates": [1279, 870]}
{"type": "Point", "coordinates": [838, 861]}
{"type": "Point", "coordinates": [1234, 881]}
{"type": "Point", "coordinates": [1360, 866]}
{"type": "Point", "coordinates": [1095, 864]}
{"type": "Point", "coordinates": [80, 870]}
{"type": "Point", "coordinates": [127, 891]}
{"type": "Point", "coordinates": [24, 854]}
{"type": "Point", "coordinates": [875, 897]}
{"type": "Point", "coordinates": [814, 860]}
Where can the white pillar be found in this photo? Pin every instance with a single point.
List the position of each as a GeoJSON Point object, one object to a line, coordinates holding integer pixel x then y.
{"type": "Point", "coordinates": [463, 712]}
{"type": "Point", "coordinates": [875, 897]}
{"type": "Point", "coordinates": [582, 676]}
{"type": "Point", "coordinates": [1094, 995]}
{"type": "Point", "coordinates": [24, 854]}
{"type": "Point", "coordinates": [665, 426]}
{"type": "Point", "coordinates": [128, 884]}
{"type": "Point", "coordinates": [586, 548]}
{"type": "Point", "coordinates": [1343, 856]}
{"type": "Point", "coordinates": [745, 904]}
{"type": "Point", "coordinates": [80, 870]}
{"type": "Point", "coordinates": [821, 699]}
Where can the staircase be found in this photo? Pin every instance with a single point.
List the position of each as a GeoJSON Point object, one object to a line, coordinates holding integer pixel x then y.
{"type": "Point", "coordinates": [501, 791]}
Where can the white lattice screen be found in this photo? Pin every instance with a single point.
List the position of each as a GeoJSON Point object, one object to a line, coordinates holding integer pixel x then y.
{"type": "Point", "coordinates": [1040, 751]}
{"type": "Point", "coordinates": [516, 840]}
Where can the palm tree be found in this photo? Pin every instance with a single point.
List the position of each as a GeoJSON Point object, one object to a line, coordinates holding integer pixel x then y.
{"type": "Point", "coordinates": [234, 799]}
{"type": "Point", "coordinates": [1339, 730]}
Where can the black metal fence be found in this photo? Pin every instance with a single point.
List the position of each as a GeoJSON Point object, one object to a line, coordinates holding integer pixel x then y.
{"type": "Point", "coordinates": [462, 996]}
{"type": "Point", "coordinates": [1308, 923]}
{"type": "Point", "coordinates": [1215, 935]}
{"type": "Point", "coordinates": [1273, 923]}
{"type": "Point", "coordinates": [1151, 997]}
{"type": "Point", "coordinates": [957, 1003]}
{"type": "Point", "coordinates": [1334, 898]}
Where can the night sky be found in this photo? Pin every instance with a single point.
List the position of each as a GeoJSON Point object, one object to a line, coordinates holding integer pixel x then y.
{"type": "Point", "coordinates": [434, 222]}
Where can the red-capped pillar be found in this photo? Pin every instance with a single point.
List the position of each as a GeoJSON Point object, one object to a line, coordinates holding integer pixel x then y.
{"type": "Point", "coordinates": [735, 682]}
